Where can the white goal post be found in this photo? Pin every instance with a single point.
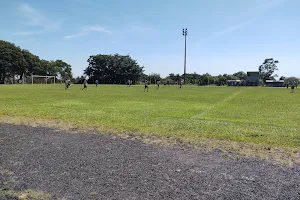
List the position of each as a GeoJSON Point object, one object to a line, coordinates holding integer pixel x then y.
{"type": "Point", "coordinates": [45, 77]}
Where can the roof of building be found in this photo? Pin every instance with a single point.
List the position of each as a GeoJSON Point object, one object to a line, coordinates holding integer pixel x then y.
{"type": "Point", "coordinates": [233, 80]}
{"type": "Point", "coordinates": [274, 81]}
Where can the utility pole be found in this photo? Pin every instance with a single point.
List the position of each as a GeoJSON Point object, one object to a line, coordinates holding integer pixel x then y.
{"type": "Point", "coordinates": [184, 33]}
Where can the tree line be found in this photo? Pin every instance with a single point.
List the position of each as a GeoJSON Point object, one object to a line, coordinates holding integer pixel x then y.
{"type": "Point", "coordinates": [193, 78]}
{"type": "Point", "coordinates": [16, 62]}
{"type": "Point", "coordinates": [118, 69]}
{"type": "Point", "coordinates": [113, 69]}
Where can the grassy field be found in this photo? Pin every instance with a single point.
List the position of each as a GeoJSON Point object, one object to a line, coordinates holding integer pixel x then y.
{"type": "Point", "coordinates": [268, 116]}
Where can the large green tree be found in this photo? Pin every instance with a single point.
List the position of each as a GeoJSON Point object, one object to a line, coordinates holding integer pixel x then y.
{"type": "Point", "coordinates": [267, 69]}
{"type": "Point", "coordinates": [292, 80]}
{"type": "Point", "coordinates": [113, 69]}
{"type": "Point", "coordinates": [64, 70]}
{"type": "Point", "coordinates": [12, 61]}
{"type": "Point", "coordinates": [33, 62]}
{"type": "Point", "coordinates": [241, 75]}
{"type": "Point", "coordinates": [205, 79]}
{"type": "Point", "coordinates": [221, 80]}
{"type": "Point", "coordinates": [192, 78]}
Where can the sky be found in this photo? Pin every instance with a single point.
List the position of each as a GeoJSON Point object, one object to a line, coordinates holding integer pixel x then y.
{"type": "Point", "coordinates": [224, 36]}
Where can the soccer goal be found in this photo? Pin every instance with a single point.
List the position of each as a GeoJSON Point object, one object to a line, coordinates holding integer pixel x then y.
{"type": "Point", "coordinates": [37, 79]}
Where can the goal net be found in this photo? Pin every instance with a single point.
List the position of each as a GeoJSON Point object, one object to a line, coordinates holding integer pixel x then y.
{"type": "Point", "coordinates": [36, 79]}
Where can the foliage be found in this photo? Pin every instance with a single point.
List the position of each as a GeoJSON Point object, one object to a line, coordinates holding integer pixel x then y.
{"type": "Point", "coordinates": [33, 62]}
{"type": "Point", "coordinates": [64, 70]}
{"type": "Point", "coordinates": [12, 61]}
{"type": "Point", "coordinates": [78, 80]}
{"type": "Point", "coordinates": [192, 78]}
{"type": "Point", "coordinates": [16, 62]}
{"type": "Point", "coordinates": [113, 69]}
{"type": "Point", "coordinates": [231, 77]}
{"type": "Point", "coordinates": [175, 77]}
{"type": "Point", "coordinates": [153, 78]}
{"type": "Point", "coordinates": [292, 80]}
{"type": "Point", "coordinates": [207, 79]}
{"type": "Point", "coordinates": [282, 78]}
{"type": "Point", "coordinates": [240, 75]}
{"type": "Point", "coordinates": [267, 69]}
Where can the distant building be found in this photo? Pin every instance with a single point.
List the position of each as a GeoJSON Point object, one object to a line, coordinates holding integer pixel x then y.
{"type": "Point", "coordinates": [233, 82]}
{"type": "Point", "coordinates": [252, 79]}
{"type": "Point", "coordinates": [273, 83]}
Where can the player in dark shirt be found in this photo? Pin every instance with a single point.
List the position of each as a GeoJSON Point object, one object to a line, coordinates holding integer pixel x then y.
{"type": "Point", "coordinates": [84, 85]}
{"type": "Point", "coordinates": [158, 83]}
{"type": "Point", "coordinates": [66, 84]}
{"type": "Point", "coordinates": [293, 88]}
{"type": "Point", "coordinates": [146, 86]}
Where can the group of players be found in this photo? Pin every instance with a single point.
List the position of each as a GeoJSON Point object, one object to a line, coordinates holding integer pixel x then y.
{"type": "Point", "coordinates": [158, 84]}
{"type": "Point", "coordinates": [68, 84]}
{"type": "Point", "coordinates": [129, 83]}
{"type": "Point", "coordinates": [146, 85]}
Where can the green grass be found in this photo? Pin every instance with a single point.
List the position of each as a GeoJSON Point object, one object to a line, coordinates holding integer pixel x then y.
{"type": "Point", "coordinates": [269, 116]}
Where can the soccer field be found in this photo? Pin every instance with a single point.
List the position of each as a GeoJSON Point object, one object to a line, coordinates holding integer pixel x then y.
{"type": "Point", "coordinates": [259, 115]}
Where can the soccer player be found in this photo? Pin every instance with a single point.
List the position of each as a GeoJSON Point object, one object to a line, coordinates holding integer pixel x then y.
{"type": "Point", "coordinates": [158, 83]}
{"type": "Point", "coordinates": [146, 86]}
{"type": "Point", "coordinates": [84, 84]}
{"type": "Point", "coordinates": [180, 85]}
{"type": "Point", "coordinates": [96, 83]}
{"type": "Point", "coordinates": [66, 84]}
{"type": "Point", "coordinates": [129, 83]}
{"type": "Point", "coordinates": [293, 88]}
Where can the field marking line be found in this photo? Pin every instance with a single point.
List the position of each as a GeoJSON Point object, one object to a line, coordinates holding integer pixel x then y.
{"type": "Point", "coordinates": [217, 104]}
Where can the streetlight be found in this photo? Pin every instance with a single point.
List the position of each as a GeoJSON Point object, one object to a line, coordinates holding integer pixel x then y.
{"type": "Point", "coordinates": [184, 33]}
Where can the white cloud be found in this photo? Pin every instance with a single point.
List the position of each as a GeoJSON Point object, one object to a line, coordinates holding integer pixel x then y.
{"type": "Point", "coordinates": [36, 20]}
{"type": "Point", "coordinates": [87, 30]}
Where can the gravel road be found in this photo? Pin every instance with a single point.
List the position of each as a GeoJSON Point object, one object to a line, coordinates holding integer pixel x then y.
{"type": "Point", "coordinates": [94, 166]}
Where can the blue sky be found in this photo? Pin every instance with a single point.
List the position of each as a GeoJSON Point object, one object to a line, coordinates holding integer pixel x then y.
{"type": "Point", "coordinates": [224, 36]}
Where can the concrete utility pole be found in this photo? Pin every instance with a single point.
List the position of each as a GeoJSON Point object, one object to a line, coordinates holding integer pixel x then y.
{"type": "Point", "coordinates": [184, 32]}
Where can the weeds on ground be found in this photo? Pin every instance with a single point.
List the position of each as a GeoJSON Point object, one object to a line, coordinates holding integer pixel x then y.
{"type": "Point", "coordinates": [93, 193]}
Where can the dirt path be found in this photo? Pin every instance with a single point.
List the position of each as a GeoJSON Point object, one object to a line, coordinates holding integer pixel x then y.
{"type": "Point", "coordinates": [93, 166]}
